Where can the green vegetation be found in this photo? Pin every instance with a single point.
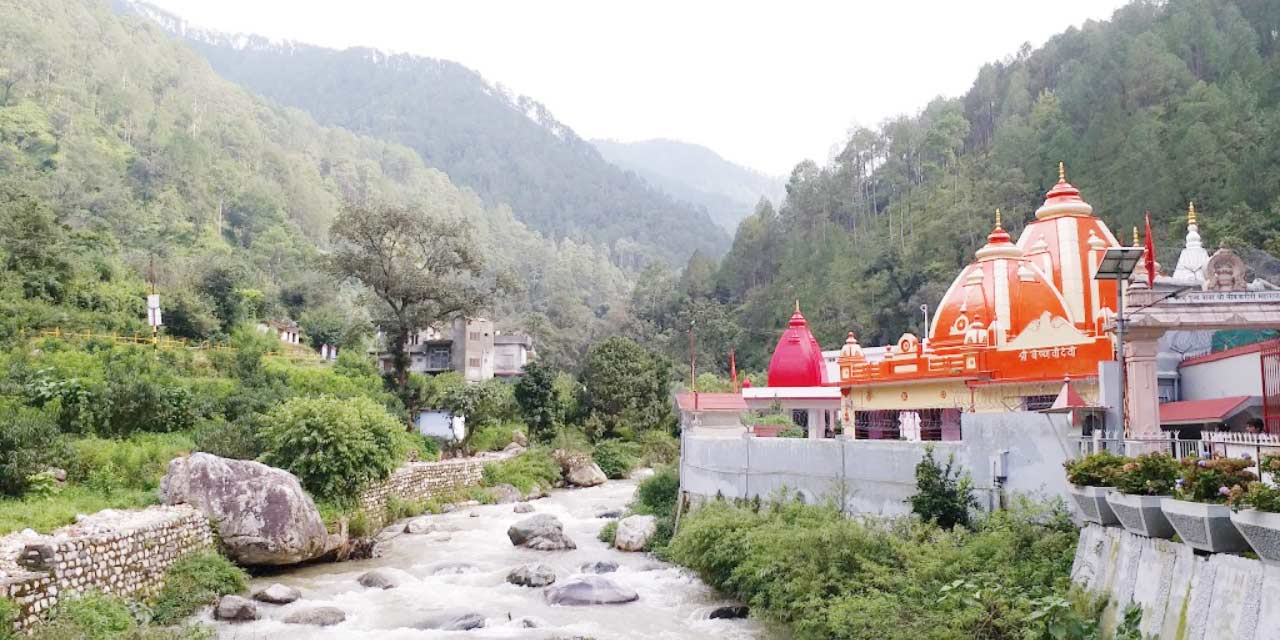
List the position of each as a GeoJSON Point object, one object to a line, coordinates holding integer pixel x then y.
{"type": "Point", "coordinates": [829, 577]}
{"type": "Point", "coordinates": [539, 401]}
{"type": "Point", "coordinates": [95, 616]}
{"type": "Point", "coordinates": [334, 446]}
{"type": "Point", "coordinates": [9, 613]}
{"type": "Point", "coordinates": [1150, 474]}
{"type": "Point", "coordinates": [535, 467]}
{"type": "Point", "coordinates": [193, 582]}
{"type": "Point", "coordinates": [1094, 470]}
{"type": "Point", "coordinates": [1212, 480]}
{"type": "Point", "coordinates": [617, 458]}
{"type": "Point", "coordinates": [608, 532]}
{"type": "Point", "coordinates": [626, 389]}
{"type": "Point", "coordinates": [657, 496]}
{"type": "Point", "coordinates": [944, 496]}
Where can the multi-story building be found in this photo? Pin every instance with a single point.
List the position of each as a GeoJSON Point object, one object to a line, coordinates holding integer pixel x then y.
{"type": "Point", "coordinates": [470, 346]}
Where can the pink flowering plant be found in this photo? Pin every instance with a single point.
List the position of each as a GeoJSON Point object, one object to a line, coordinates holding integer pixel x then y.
{"type": "Point", "coordinates": [1255, 495]}
{"type": "Point", "coordinates": [1150, 474]}
{"type": "Point", "coordinates": [1270, 464]}
{"type": "Point", "coordinates": [1212, 479]}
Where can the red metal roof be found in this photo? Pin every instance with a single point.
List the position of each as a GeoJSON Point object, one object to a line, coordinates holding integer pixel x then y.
{"type": "Point", "coordinates": [1202, 411]}
{"type": "Point", "coordinates": [728, 402]}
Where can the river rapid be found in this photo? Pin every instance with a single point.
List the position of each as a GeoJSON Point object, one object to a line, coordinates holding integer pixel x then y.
{"type": "Point", "coordinates": [463, 569]}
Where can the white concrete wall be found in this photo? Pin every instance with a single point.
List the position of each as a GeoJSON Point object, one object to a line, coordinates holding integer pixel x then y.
{"type": "Point", "coordinates": [1183, 596]}
{"type": "Point", "coordinates": [1235, 376]}
{"type": "Point", "coordinates": [878, 476]}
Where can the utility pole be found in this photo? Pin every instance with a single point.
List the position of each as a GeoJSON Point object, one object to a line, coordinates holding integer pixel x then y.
{"type": "Point", "coordinates": [693, 366]}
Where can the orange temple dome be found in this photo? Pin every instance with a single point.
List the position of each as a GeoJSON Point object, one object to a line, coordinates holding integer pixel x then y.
{"type": "Point", "coordinates": [994, 298]}
{"type": "Point", "coordinates": [797, 360]}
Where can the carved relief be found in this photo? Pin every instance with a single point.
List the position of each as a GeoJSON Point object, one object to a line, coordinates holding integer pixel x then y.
{"type": "Point", "coordinates": [1225, 272]}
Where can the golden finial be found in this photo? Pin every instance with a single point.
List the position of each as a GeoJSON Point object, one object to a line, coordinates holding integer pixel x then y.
{"type": "Point", "coordinates": [797, 305]}
{"type": "Point", "coordinates": [1062, 172]}
{"type": "Point", "coordinates": [1135, 237]}
{"type": "Point", "coordinates": [998, 222]}
{"type": "Point", "coordinates": [1191, 213]}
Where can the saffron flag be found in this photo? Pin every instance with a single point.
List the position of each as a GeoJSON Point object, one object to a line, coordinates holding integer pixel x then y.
{"type": "Point", "coordinates": [1149, 256]}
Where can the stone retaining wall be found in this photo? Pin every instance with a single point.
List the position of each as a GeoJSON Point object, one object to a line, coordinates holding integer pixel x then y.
{"type": "Point", "coordinates": [424, 481]}
{"type": "Point", "coordinates": [121, 553]}
{"type": "Point", "coordinates": [1183, 596]}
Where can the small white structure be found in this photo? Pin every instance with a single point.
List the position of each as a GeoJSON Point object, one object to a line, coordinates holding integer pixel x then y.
{"type": "Point", "coordinates": [442, 425]}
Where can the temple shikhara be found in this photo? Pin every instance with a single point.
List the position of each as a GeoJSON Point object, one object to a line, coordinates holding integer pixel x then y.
{"type": "Point", "coordinates": [1028, 325]}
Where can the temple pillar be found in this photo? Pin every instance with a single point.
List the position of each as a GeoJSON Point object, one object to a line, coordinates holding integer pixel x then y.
{"type": "Point", "coordinates": [815, 424]}
{"type": "Point", "coordinates": [1142, 395]}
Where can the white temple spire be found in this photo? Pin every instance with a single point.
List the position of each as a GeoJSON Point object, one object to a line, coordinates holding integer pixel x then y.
{"type": "Point", "coordinates": [1192, 260]}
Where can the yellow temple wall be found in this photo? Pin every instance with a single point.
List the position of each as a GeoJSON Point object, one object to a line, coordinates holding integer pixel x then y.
{"type": "Point", "coordinates": [954, 394]}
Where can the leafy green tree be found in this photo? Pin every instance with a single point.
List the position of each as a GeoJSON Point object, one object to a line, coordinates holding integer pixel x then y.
{"type": "Point", "coordinates": [34, 247]}
{"type": "Point", "coordinates": [627, 389]}
{"type": "Point", "coordinates": [944, 495]}
{"type": "Point", "coordinates": [540, 406]}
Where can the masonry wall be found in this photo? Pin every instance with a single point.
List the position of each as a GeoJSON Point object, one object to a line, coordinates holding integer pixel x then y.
{"type": "Point", "coordinates": [878, 476]}
{"type": "Point", "coordinates": [127, 557]}
{"type": "Point", "coordinates": [1183, 596]}
{"type": "Point", "coordinates": [423, 481]}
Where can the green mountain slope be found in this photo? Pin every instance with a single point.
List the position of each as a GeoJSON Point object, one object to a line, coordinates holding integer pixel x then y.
{"type": "Point", "coordinates": [697, 175]}
{"type": "Point", "coordinates": [509, 149]}
{"type": "Point", "coordinates": [1166, 102]}
{"type": "Point", "coordinates": [128, 135]}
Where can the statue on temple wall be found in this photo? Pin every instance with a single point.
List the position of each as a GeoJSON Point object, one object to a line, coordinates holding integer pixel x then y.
{"type": "Point", "coordinates": [1225, 272]}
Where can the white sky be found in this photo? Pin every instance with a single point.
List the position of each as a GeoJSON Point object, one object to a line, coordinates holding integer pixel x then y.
{"type": "Point", "coordinates": [765, 84]}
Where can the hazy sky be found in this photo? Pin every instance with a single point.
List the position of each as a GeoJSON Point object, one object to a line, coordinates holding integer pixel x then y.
{"type": "Point", "coordinates": [765, 84]}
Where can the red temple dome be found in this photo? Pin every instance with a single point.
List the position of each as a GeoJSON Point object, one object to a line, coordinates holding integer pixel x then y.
{"type": "Point", "coordinates": [994, 298]}
{"type": "Point", "coordinates": [797, 360]}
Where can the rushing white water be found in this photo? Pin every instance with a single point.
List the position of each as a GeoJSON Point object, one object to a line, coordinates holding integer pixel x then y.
{"type": "Point", "coordinates": [464, 571]}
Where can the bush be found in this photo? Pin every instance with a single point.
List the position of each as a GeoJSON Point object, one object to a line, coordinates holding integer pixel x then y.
{"type": "Point", "coordinates": [492, 436]}
{"type": "Point", "coordinates": [196, 581]}
{"type": "Point", "coordinates": [658, 448]}
{"type": "Point", "coordinates": [1150, 474]}
{"type": "Point", "coordinates": [422, 448]}
{"type": "Point", "coordinates": [93, 616]}
{"type": "Point", "coordinates": [657, 496]}
{"type": "Point", "coordinates": [359, 525]}
{"type": "Point", "coordinates": [335, 447]}
{"type": "Point", "coordinates": [793, 432]}
{"type": "Point", "coordinates": [944, 495]}
{"type": "Point", "coordinates": [533, 467]}
{"type": "Point", "coordinates": [1094, 470]}
{"type": "Point", "coordinates": [617, 458]}
{"type": "Point", "coordinates": [237, 440]}
{"type": "Point", "coordinates": [29, 443]}
{"type": "Point", "coordinates": [136, 463]}
{"type": "Point", "coordinates": [1212, 480]}
{"type": "Point", "coordinates": [1257, 495]}
{"type": "Point", "coordinates": [9, 613]}
{"type": "Point", "coordinates": [608, 532]}
{"type": "Point", "coordinates": [400, 508]}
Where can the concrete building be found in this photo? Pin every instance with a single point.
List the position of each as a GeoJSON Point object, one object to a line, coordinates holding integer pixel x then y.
{"type": "Point", "coordinates": [470, 346]}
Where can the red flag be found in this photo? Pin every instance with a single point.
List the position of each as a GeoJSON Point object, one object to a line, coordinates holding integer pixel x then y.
{"type": "Point", "coordinates": [1149, 256]}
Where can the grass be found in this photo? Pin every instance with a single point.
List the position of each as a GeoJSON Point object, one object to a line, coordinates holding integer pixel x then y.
{"type": "Point", "coordinates": [196, 581]}
{"type": "Point", "coordinates": [95, 616]}
{"type": "Point", "coordinates": [533, 467]}
{"type": "Point", "coordinates": [45, 514]}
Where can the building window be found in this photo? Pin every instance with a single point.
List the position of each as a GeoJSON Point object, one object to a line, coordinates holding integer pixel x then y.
{"type": "Point", "coordinates": [475, 335]}
{"type": "Point", "coordinates": [413, 339]}
{"type": "Point", "coordinates": [438, 358]}
{"type": "Point", "coordinates": [1037, 403]}
{"type": "Point", "coordinates": [474, 363]}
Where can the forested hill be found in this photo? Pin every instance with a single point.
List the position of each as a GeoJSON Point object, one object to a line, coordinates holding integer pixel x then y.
{"type": "Point", "coordinates": [1164, 103]}
{"type": "Point", "coordinates": [136, 148]}
{"type": "Point", "coordinates": [509, 149]}
{"type": "Point", "coordinates": [695, 174]}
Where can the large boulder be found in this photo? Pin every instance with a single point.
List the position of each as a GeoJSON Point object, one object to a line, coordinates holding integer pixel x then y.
{"type": "Point", "coordinates": [532, 575]}
{"type": "Point", "coordinates": [522, 507]}
{"type": "Point", "coordinates": [262, 514]}
{"type": "Point", "coordinates": [585, 475]}
{"type": "Point", "coordinates": [542, 532]}
{"type": "Point", "coordinates": [420, 525]}
{"type": "Point", "coordinates": [379, 579]}
{"type": "Point", "coordinates": [586, 590]}
{"type": "Point", "coordinates": [277, 594]}
{"type": "Point", "coordinates": [634, 532]}
{"type": "Point", "coordinates": [235, 609]}
{"type": "Point", "coordinates": [505, 494]}
{"type": "Point", "coordinates": [319, 616]}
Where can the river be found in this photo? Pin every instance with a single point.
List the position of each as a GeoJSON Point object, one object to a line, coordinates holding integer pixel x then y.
{"type": "Point", "coordinates": [464, 569]}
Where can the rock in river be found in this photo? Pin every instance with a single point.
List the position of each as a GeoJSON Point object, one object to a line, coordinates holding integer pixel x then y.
{"type": "Point", "coordinates": [319, 616]}
{"type": "Point", "coordinates": [522, 507]}
{"type": "Point", "coordinates": [235, 608]}
{"type": "Point", "coordinates": [505, 494]}
{"type": "Point", "coordinates": [379, 579]}
{"type": "Point", "coordinates": [585, 474]}
{"type": "Point", "coordinates": [277, 594]}
{"type": "Point", "coordinates": [601, 566]}
{"type": "Point", "coordinates": [542, 532]}
{"type": "Point", "coordinates": [262, 514]}
{"type": "Point", "coordinates": [634, 532]}
{"type": "Point", "coordinates": [454, 622]}
{"type": "Point", "coordinates": [532, 575]}
{"type": "Point", "coordinates": [730, 613]}
{"type": "Point", "coordinates": [586, 590]}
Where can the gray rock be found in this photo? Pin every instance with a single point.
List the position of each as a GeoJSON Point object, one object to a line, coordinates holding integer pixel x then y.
{"type": "Point", "coordinates": [585, 474]}
{"type": "Point", "coordinates": [587, 590]}
{"type": "Point", "coordinates": [601, 566]}
{"type": "Point", "coordinates": [730, 613]}
{"type": "Point", "coordinates": [532, 575]}
{"type": "Point", "coordinates": [542, 532]}
{"type": "Point", "coordinates": [473, 514]}
{"type": "Point", "coordinates": [554, 541]}
{"type": "Point", "coordinates": [379, 579]}
{"type": "Point", "coordinates": [37, 556]}
{"type": "Point", "coordinates": [514, 448]}
{"type": "Point", "coordinates": [538, 491]}
{"type": "Point", "coordinates": [277, 594]}
{"type": "Point", "coordinates": [453, 622]}
{"type": "Point", "coordinates": [262, 515]}
{"type": "Point", "coordinates": [319, 616]}
{"type": "Point", "coordinates": [519, 438]}
{"type": "Point", "coordinates": [522, 507]}
{"type": "Point", "coordinates": [611, 514]}
{"type": "Point", "coordinates": [505, 494]}
{"type": "Point", "coordinates": [235, 609]}
{"type": "Point", "coordinates": [420, 525]}
{"type": "Point", "coordinates": [531, 623]}
{"type": "Point", "coordinates": [449, 508]}
{"type": "Point", "coordinates": [59, 474]}
{"type": "Point", "coordinates": [634, 532]}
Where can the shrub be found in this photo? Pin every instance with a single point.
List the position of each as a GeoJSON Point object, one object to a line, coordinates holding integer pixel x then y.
{"type": "Point", "coordinates": [1094, 470]}
{"type": "Point", "coordinates": [359, 525]}
{"type": "Point", "coordinates": [196, 581]}
{"type": "Point", "coordinates": [237, 440]}
{"type": "Point", "coordinates": [658, 448]}
{"type": "Point", "coordinates": [29, 442]}
{"type": "Point", "coordinates": [540, 408]}
{"type": "Point", "coordinates": [608, 532]}
{"type": "Point", "coordinates": [9, 613]}
{"type": "Point", "coordinates": [134, 463]}
{"type": "Point", "coordinates": [1212, 480]}
{"type": "Point", "coordinates": [335, 447]}
{"type": "Point", "coordinates": [1255, 495]}
{"type": "Point", "coordinates": [1270, 464]}
{"type": "Point", "coordinates": [92, 616]}
{"type": "Point", "coordinates": [617, 458]}
{"type": "Point", "coordinates": [792, 432]}
{"type": "Point", "coordinates": [944, 495]}
{"type": "Point", "coordinates": [657, 496]}
{"type": "Point", "coordinates": [1150, 474]}
{"type": "Point", "coordinates": [774, 419]}
{"type": "Point", "coordinates": [533, 467]}
{"type": "Point", "coordinates": [491, 436]}
{"type": "Point", "coordinates": [422, 448]}
{"type": "Point", "coordinates": [399, 508]}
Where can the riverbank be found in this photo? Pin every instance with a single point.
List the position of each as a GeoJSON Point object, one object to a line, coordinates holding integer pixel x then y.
{"type": "Point", "coordinates": [461, 567]}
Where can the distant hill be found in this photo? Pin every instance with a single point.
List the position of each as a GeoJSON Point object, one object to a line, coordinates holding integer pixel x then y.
{"type": "Point", "coordinates": [509, 149]}
{"type": "Point", "coordinates": [695, 174]}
